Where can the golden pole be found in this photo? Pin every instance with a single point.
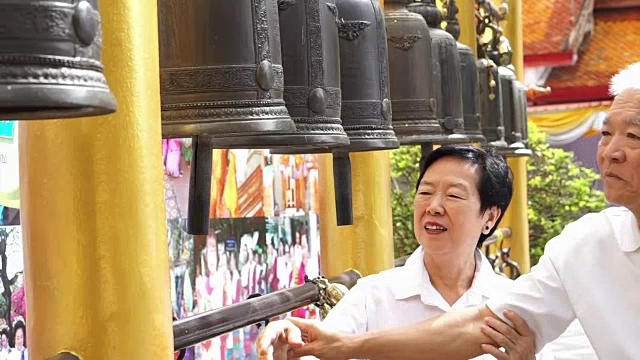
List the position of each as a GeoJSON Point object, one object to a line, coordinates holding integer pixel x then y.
{"type": "Point", "coordinates": [336, 244]}
{"type": "Point", "coordinates": [513, 32]}
{"type": "Point", "coordinates": [96, 260]}
{"type": "Point", "coordinates": [367, 245]}
{"type": "Point", "coordinates": [467, 19]}
{"type": "Point", "coordinates": [516, 217]}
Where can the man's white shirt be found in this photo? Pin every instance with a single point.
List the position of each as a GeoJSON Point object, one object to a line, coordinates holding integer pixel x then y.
{"type": "Point", "coordinates": [591, 271]}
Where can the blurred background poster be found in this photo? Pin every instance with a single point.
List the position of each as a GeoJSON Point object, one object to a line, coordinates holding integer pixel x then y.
{"type": "Point", "coordinates": [263, 236]}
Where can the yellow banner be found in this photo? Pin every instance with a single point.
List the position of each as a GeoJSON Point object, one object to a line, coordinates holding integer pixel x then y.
{"type": "Point", "coordinates": [556, 122]}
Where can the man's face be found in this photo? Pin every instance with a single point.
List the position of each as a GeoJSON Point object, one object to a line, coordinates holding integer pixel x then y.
{"type": "Point", "coordinates": [619, 151]}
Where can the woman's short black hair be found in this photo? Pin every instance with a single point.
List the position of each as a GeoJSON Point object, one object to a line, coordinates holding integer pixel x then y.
{"type": "Point", "coordinates": [495, 184]}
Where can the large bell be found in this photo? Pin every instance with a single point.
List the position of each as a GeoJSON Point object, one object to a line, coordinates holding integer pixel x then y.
{"type": "Point", "coordinates": [366, 107]}
{"type": "Point", "coordinates": [221, 72]}
{"type": "Point", "coordinates": [50, 53]}
{"type": "Point", "coordinates": [221, 81]}
{"type": "Point", "coordinates": [311, 60]}
{"type": "Point", "coordinates": [446, 73]}
{"type": "Point", "coordinates": [413, 96]}
{"type": "Point", "coordinates": [490, 104]}
{"type": "Point", "coordinates": [469, 73]}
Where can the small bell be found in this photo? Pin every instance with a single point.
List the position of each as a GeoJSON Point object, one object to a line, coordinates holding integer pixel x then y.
{"type": "Point", "coordinates": [50, 63]}
{"type": "Point", "coordinates": [507, 80]}
{"type": "Point", "coordinates": [491, 114]}
{"type": "Point", "coordinates": [524, 118]}
{"type": "Point", "coordinates": [515, 110]}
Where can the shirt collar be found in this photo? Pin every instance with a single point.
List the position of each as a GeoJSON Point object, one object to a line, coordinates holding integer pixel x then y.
{"type": "Point", "coordinates": [483, 282]}
{"type": "Point", "coordinates": [622, 220]}
{"type": "Point", "coordinates": [413, 279]}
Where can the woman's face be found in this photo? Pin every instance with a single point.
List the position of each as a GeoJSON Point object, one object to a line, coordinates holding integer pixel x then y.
{"type": "Point", "coordinates": [212, 259]}
{"type": "Point", "coordinates": [19, 338]}
{"type": "Point", "coordinates": [4, 342]}
{"type": "Point", "coordinates": [447, 217]}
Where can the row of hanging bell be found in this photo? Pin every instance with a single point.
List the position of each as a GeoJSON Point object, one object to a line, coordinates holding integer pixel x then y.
{"type": "Point", "coordinates": [212, 89]}
{"type": "Point", "coordinates": [503, 103]}
{"type": "Point", "coordinates": [50, 60]}
{"type": "Point", "coordinates": [426, 84]}
{"type": "Point", "coordinates": [469, 78]}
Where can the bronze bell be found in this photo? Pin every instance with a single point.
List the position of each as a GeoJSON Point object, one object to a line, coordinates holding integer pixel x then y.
{"type": "Point", "coordinates": [518, 126]}
{"type": "Point", "coordinates": [490, 104]}
{"type": "Point", "coordinates": [446, 73]}
{"type": "Point", "coordinates": [512, 112]}
{"type": "Point", "coordinates": [311, 60]}
{"type": "Point", "coordinates": [221, 81]}
{"type": "Point", "coordinates": [50, 60]}
{"type": "Point", "coordinates": [413, 96]}
{"type": "Point", "coordinates": [221, 72]}
{"type": "Point", "coordinates": [366, 107]}
{"type": "Point", "coordinates": [507, 93]}
{"type": "Point", "coordinates": [469, 77]}
{"type": "Point", "coordinates": [523, 117]}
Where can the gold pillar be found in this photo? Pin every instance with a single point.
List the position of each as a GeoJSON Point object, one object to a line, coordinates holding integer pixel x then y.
{"type": "Point", "coordinates": [516, 217]}
{"type": "Point", "coordinates": [367, 245]}
{"type": "Point", "coordinates": [513, 31]}
{"type": "Point", "coordinates": [96, 259]}
{"type": "Point", "coordinates": [467, 19]}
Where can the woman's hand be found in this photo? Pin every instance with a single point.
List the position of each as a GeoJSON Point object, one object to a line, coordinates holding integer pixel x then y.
{"type": "Point", "coordinates": [296, 338]}
{"type": "Point", "coordinates": [518, 342]}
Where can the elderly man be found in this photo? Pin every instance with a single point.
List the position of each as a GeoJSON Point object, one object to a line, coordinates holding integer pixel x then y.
{"type": "Point", "coordinates": [591, 272]}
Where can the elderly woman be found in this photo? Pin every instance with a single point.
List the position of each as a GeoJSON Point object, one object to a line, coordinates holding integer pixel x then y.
{"type": "Point", "coordinates": [589, 272]}
{"type": "Point", "coordinates": [462, 193]}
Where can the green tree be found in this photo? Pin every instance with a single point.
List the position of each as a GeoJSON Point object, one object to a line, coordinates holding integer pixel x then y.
{"type": "Point", "coordinates": [560, 191]}
{"type": "Point", "coordinates": [404, 175]}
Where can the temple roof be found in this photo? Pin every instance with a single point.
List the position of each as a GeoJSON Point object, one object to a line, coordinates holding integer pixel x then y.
{"type": "Point", "coordinates": [554, 30]}
{"type": "Point", "coordinates": [613, 45]}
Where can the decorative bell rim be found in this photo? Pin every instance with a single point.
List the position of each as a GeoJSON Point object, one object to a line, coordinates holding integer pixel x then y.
{"type": "Point", "coordinates": [50, 66]}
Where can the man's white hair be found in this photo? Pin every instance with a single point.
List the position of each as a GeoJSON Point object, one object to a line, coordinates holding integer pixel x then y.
{"type": "Point", "coordinates": [627, 78]}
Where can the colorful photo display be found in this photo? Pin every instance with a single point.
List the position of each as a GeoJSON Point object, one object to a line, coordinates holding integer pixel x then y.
{"type": "Point", "coordinates": [13, 309]}
{"type": "Point", "coordinates": [263, 237]}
